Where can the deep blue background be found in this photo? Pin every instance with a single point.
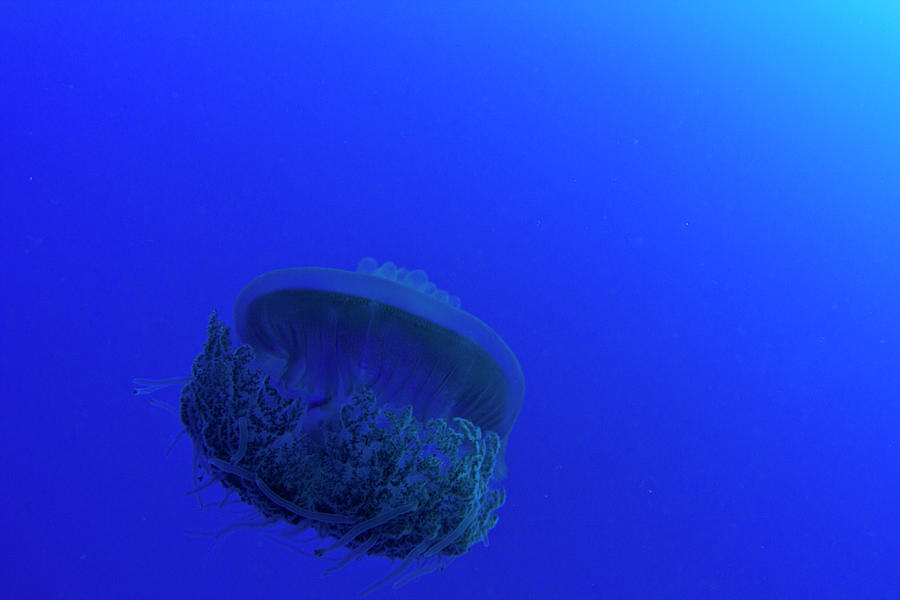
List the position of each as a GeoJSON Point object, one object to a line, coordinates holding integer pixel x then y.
{"type": "Point", "coordinates": [685, 222]}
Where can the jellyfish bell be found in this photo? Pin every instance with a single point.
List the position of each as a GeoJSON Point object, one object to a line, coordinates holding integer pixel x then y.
{"type": "Point", "coordinates": [330, 332]}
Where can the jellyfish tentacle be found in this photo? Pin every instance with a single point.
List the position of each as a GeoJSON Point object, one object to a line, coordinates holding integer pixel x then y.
{"type": "Point", "coordinates": [413, 555]}
{"type": "Point", "coordinates": [232, 469]}
{"type": "Point", "coordinates": [453, 535]}
{"type": "Point", "coordinates": [427, 567]}
{"type": "Point", "coordinates": [149, 386]}
{"type": "Point", "coordinates": [203, 486]}
{"type": "Point", "coordinates": [244, 525]}
{"type": "Point", "coordinates": [353, 554]}
{"type": "Point", "coordinates": [361, 528]}
{"type": "Point", "coordinates": [174, 441]}
{"type": "Point", "coordinates": [298, 510]}
{"type": "Point", "coordinates": [242, 442]}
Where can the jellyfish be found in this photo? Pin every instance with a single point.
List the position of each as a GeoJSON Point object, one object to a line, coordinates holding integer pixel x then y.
{"type": "Point", "coordinates": [365, 406]}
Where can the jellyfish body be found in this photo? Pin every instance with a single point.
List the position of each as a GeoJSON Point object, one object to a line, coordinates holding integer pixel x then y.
{"type": "Point", "coordinates": [364, 405]}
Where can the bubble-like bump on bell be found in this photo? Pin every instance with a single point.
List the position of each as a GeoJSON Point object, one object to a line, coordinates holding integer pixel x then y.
{"type": "Point", "coordinates": [388, 271]}
{"type": "Point", "coordinates": [368, 265]}
{"type": "Point", "coordinates": [416, 279]}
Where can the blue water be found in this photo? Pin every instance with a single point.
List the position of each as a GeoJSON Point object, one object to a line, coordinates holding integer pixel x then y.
{"type": "Point", "coordinates": [684, 220]}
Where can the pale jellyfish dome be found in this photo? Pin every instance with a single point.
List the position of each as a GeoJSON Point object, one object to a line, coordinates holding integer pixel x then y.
{"type": "Point", "coordinates": [331, 332]}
